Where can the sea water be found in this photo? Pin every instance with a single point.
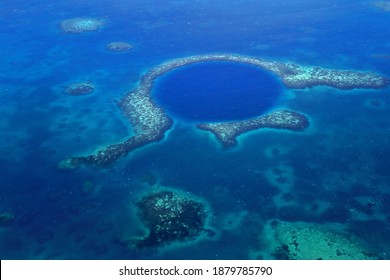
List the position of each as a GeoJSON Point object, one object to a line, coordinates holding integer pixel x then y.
{"type": "Point", "coordinates": [217, 91]}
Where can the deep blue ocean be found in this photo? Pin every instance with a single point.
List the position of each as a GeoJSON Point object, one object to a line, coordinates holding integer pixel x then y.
{"type": "Point", "coordinates": [198, 92]}
{"type": "Point", "coordinates": [335, 175]}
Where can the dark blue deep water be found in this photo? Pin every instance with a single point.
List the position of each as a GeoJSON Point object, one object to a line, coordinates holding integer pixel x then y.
{"type": "Point", "coordinates": [333, 176]}
{"type": "Point", "coordinates": [217, 92]}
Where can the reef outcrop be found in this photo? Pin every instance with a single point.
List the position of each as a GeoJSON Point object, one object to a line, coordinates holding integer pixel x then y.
{"type": "Point", "coordinates": [227, 132]}
{"type": "Point", "coordinates": [81, 25]}
{"type": "Point", "coordinates": [81, 88]}
{"type": "Point", "coordinates": [150, 122]}
{"type": "Point", "coordinates": [119, 46]}
{"type": "Point", "coordinates": [170, 216]}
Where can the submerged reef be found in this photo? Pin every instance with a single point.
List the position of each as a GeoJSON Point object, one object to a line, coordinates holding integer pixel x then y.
{"type": "Point", "coordinates": [375, 103]}
{"type": "Point", "coordinates": [227, 132]}
{"type": "Point", "coordinates": [81, 88]}
{"type": "Point", "coordinates": [384, 5]}
{"type": "Point", "coordinates": [150, 122]}
{"type": "Point", "coordinates": [119, 46]}
{"type": "Point", "coordinates": [6, 218]}
{"type": "Point", "coordinates": [302, 241]}
{"type": "Point", "coordinates": [81, 25]}
{"type": "Point", "coordinates": [170, 216]}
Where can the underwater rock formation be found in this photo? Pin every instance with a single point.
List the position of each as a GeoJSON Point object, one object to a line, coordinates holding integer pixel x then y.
{"type": "Point", "coordinates": [227, 132]}
{"type": "Point", "coordinates": [81, 25]}
{"type": "Point", "coordinates": [150, 122]}
{"type": "Point", "coordinates": [302, 241]}
{"type": "Point", "coordinates": [170, 217]}
{"type": "Point", "coordinates": [119, 46]}
{"type": "Point", "coordinates": [81, 88]}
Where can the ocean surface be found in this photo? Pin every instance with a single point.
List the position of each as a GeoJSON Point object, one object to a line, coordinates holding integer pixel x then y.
{"type": "Point", "coordinates": [198, 92]}
{"type": "Point", "coordinates": [333, 177]}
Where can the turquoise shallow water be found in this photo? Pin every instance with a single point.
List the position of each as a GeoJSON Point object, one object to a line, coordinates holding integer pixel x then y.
{"type": "Point", "coordinates": [334, 175]}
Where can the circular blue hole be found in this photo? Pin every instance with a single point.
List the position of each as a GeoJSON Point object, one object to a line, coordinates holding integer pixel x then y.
{"type": "Point", "coordinates": [217, 91]}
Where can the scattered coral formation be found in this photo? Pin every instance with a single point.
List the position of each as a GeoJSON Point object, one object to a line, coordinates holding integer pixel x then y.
{"type": "Point", "coordinates": [82, 88]}
{"type": "Point", "coordinates": [302, 241]}
{"type": "Point", "coordinates": [150, 122]}
{"type": "Point", "coordinates": [119, 46]}
{"type": "Point", "coordinates": [81, 25]}
{"type": "Point", "coordinates": [227, 132]}
{"type": "Point", "coordinates": [384, 5]}
{"type": "Point", "coordinates": [170, 217]}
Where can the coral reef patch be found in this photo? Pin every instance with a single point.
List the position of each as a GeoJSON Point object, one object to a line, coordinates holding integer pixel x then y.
{"type": "Point", "coordinates": [150, 122]}
{"type": "Point", "coordinates": [81, 88]}
{"type": "Point", "coordinates": [170, 216]}
{"type": "Point", "coordinates": [119, 46]}
{"type": "Point", "coordinates": [81, 25]}
{"type": "Point", "coordinates": [227, 132]}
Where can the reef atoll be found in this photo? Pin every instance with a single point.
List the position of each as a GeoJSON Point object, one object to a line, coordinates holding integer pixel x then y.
{"type": "Point", "coordinates": [170, 216]}
{"type": "Point", "coordinates": [150, 122]}
{"type": "Point", "coordinates": [302, 241]}
{"type": "Point", "coordinates": [81, 25]}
